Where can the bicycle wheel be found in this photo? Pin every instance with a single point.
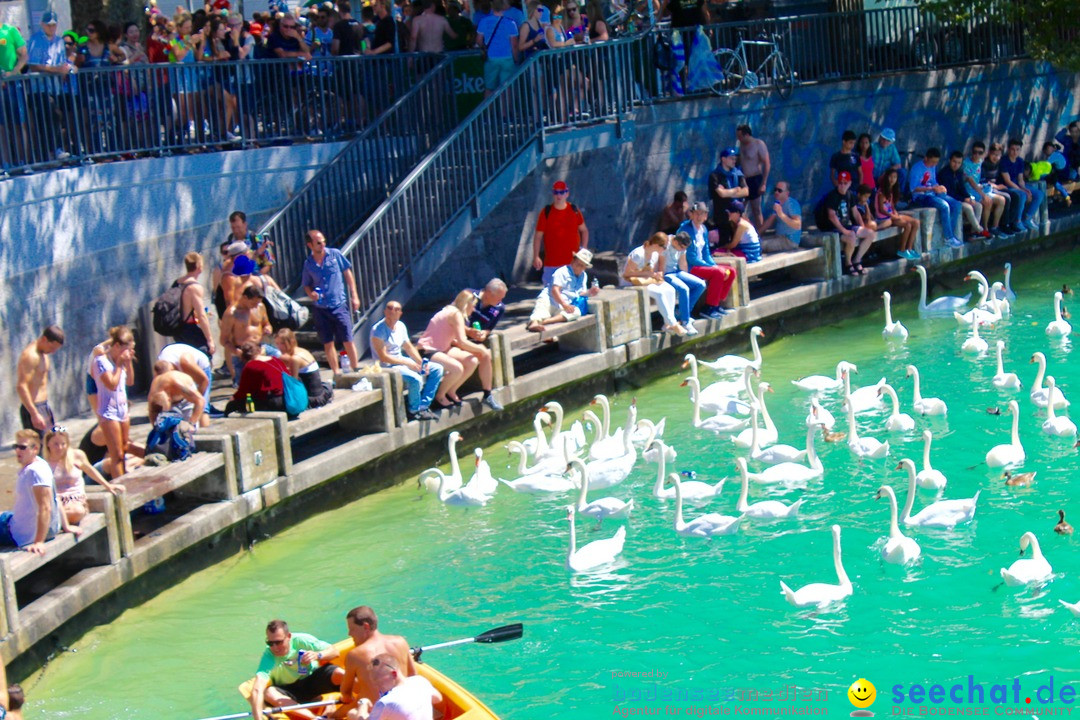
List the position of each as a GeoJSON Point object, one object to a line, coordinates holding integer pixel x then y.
{"type": "Point", "coordinates": [734, 72]}
{"type": "Point", "coordinates": [783, 78]}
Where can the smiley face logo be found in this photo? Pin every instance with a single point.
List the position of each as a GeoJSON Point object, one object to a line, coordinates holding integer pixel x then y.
{"type": "Point", "coordinates": [862, 694]}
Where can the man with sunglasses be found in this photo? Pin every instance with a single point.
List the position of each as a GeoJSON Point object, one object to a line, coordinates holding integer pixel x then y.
{"type": "Point", "coordinates": [292, 671]}
{"type": "Point", "coordinates": [786, 219]}
{"type": "Point", "coordinates": [35, 518]}
{"type": "Point", "coordinates": [561, 230]}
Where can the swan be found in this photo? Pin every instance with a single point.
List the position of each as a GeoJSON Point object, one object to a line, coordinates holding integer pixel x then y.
{"type": "Point", "coordinates": [645, 431]}
{"type": "Point", "coordinates": [984, 312]}
{"type": "Point", "coordinates": [1003, 305]}
{"type": "Point", "coordinates": [733, 364]}
{"type": "Point", "coordinates": [929, 478]}
{"type": "Point", "coordinates": [651, 450]}
{"type": "Point", "coordinates": [706, 525]}
{"type": "Point", "coordinates": [766, 435]}
{"type": "Point", "coordinates": [774, 453]}
{"type": "Point", "coordinates": [596, 553]}
{"type": "Point", "coordinates": [893, 330]}
{"type": "Point", "coordinates": [864, 398]}
{"type": "Point", "coordinates": [434, 478]}
{"type": "Point", "coordinates": [538, 446]}
{"type": "Point", "coordinates": [898, 421]}
{"type": "Point", "coordinates": [869, 448]}
{"type": "Point", "coordinates": [974, 344]}
{"type": "Point", "coordinates": [766, 509]}
{"type": "Point", "coordinates": [576, 434]}
{"type": "Point", "coordinates": [1057, 425]}
{"type": "Point", "coordinates": [1012, 453]}
{"type": "Point", "coordinates": [792, 472]}
{"type": "Point", "coordinates": [1040, 395]}
{"type": "Point", "coordinates": [824, 383]}
{"type": "Point", "coordinates": [612, 471]}
{"type": "Point", "coordinates": [1007, 293]}
{"type": "Point", "coordinates": [1058, 327]}
{"type": "Point", "coordinates": [550, 465]}
{"type": "Point", "coordinates": [943, 306]}
{"type": "Point", "coordinates": [925, 406]}
{"type": "Point", "coordinates": [612, 446]}
{"type": "Point", "coordinates": [468, 495]}
{"type": "Point", "coordinates": [1028, 571]}
{"type": "Point", "coordinates": [482, 481]}
{"type": "Point", "coordinates": [899, 548]}
{"type": "Point", "coordinates": [723, 396]}
{"type": "Point", "coordinates": [607, 507]}
{"type": "Point", "coordinates": [1003, 380]}
{"type": "Point", "coordinates": [716, 423]}
{"type": "Point", "coordinates": [1074, 608]}
{"type": "Point", "coordinates": [819, 416]}
{"type": "Point", "coordinates": [821, 594]}
{"type": "Point", "coordinates": [546, 479]}
{"type": "Point", "coordinates": [691, 489]}
{"type": "Point", "coordinates": [940, 514]}
{"type": "Point", "coordinates": [1063, 528]}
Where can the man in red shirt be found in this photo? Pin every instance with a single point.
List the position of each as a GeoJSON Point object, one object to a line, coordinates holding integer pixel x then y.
{"type": "Point", "coordinates": [562, 231]}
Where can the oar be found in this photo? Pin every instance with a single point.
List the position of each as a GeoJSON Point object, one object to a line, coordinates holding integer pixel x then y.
{"type": "Point", "coordinates": [274, 711]}
{"type": "Point", "coordinates": [495, 635]}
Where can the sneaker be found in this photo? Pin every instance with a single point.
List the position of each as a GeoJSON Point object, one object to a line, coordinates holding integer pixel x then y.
{"type": "Point", "coordinates": [222, 373]}
{"type": "Point", "coordinates": [213, 412]}
{"type": "Point", "coordinates": [232, 137]}
{"type": "Point", "coordinates": [691, 329]}
{"type": "Point", "coordinates": [62, 154]}
{"type": "Point", "coordinates": [984, 233]}
{"type": "Point", "coordinates": [492, 403]}
{"type": "Point", "coordinates": [955, 242]}
{"type": "Point", "coordinates": [424, 414]}
{"type": "Point", "coordinates": [1033, 224]}
{"type": "Point", "coordinates": [996, 232]}
{"type": "Point", "coordinates": [714, 314]}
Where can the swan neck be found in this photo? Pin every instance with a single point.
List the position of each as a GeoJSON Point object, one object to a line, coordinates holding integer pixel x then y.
{"type": "Point", "coordinates": [557, 431]}
{"type": "Point", "coordinates": [841, 574]}
{"type": "Point", "coordinates": [888, 311]}
{"type": "Point", "coordinates": [661, 462]}
{"type": "Point", "coordinates": [910, 500]}
{"type": "Point", "coordinates": [922, 288]}
{"type": "Point", "coordinates": [894, 398]}
{"type": "Point", "coordinates": [1036, 551]}
{"type": "Point", "coordinates": [1000, 364]}
{"type": "Point", "coordinates": [754, 447]}
{"type": "Point", "coordinates": [894, 526]}
{"type": "Point", "coordinates": [755, 348]}
{"type": "Point", "coordinates": [605, 408]}
{"type": "Point", "coordinates": [744, 491]}
{"type": "Point", "coordinates": [1057, 308]}
{"type": "Point", "coordinates": [918, 389]}
{"type": "Point", "coordinates": [926, 455]}
{"type": "Point", "coordinates": [679, 524]}
{"type": "Point", "coordinates": [765, 410]}
{"type": "Point", "coordinates": [696, 395]}
{"type": "Point", "coordinates": [1041, 373]}
{"type": "Point", "coordinates": [583, 494]}
{"type": "Point", "coordinates": [455, 468]}
{"type": "Point", "coordinates": [853, 432]}
{"type": "Point", "coordinates": [573, 540]}
{"type": "Point", "coordinates": [1016, 425]}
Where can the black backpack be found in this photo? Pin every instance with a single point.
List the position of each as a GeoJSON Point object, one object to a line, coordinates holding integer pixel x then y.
{"type": "Point", "coordinates": [547, 210]}
{"type": "Point", "coordinates": [168, 320]}
{"type": "Point", "coordinates": [664, 53]}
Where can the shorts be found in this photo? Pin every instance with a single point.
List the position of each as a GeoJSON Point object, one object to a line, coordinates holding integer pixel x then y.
{"type": "Point", "coordinates": [191, 334]}
{"type": "Point", "coordinates": [546, 309]}
{"type": "Point", "coordinates": [308, 689]}
{"type": "Point", "coordinates": [333, 324]}
{"type": "Point", "coordinates": [46, 412]}
{"type": "Point", "coordinates": [91, 385]}
{"type": "Point", "coordinates": [497, 71]}
{"type": "Point", "coordinates": [753, 185]}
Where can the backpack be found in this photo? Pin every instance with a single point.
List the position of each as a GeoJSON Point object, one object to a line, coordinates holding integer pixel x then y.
{"type": "Point", "coordinates": [572, 206]}
{"type": "Point", "coordinates": [296, 398]}
{"type": "Point", "coordinates": [169, 438]}
{"type": "Point", "coordinates": [168, 308]}
{"type": "Point", "coordinates": [664, 53]}
{"type": "Point", "coordinates": [282, 310]}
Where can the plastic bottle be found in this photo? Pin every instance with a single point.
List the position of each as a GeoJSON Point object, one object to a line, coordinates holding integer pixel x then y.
{"type": "Point", "coordinates": [249, 404]}
{"type": "Point", "coordinates": [424, 366]}
{"type": "Point", "coordinates": [595, 284]}
{"type": "Point", "coordinates": [476, 325]}
{"type": "Point", "coordinates": [344, 363]}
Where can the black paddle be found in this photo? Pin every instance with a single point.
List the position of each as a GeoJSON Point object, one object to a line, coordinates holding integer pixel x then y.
{"type": "Point", "coordinates": [495, 635]}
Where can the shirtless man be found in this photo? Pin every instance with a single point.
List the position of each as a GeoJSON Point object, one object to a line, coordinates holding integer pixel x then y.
{"type": "Point", "coordinates": [245, 320]}
{"type": "Point", "coordinates": [235, 274]}
{"type": "Point", "coordinates": [173, 388]}
{"type": "Point", "coordinates": [359, 681]}
{"type": "Point", "coordinates": [32, 384]}
{"type": "Point", "coordinates": [196, 328]}
{"type": "Point", "coordinates": [428, 30]}
{"type": "Point", "coordinates": [754, 158]}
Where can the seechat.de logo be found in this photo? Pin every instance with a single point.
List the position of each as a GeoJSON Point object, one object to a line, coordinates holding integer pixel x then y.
{"type": "Point", "coordinates": [862, 694]}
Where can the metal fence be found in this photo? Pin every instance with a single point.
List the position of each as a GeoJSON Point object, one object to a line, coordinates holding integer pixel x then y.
{"type": "Point", "coordinates": [141, 110]}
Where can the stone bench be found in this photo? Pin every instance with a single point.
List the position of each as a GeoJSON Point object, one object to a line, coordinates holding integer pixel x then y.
{"type": "Point", "coordinates": [813, 264]}
{"type": "Point", "coordinates": [584, 335]}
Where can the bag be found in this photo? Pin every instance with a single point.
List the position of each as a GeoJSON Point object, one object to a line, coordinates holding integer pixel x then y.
{"type": "Point", "coordinates": [644, 281]}
{"type": "Point", "coordinates": [487, 41]}
{"type": "Point", "coordinates": [664, 53]}
{"type": "Point", "coordinates": [547, 210]}
{"type": "Point", "coordinates": [167, 309]}
{"type": "Point", "coordinates": [170, 438]}
{"type": "Point", "coordinates": [581, 302]}
{"type": "Point", "coordinates": [282, 310]}
{"type": "Point", "coordinates": [296, 399]}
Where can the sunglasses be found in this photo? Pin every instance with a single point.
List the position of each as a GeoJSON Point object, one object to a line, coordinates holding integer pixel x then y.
{"type": "Point", "coordinates": [778, 190]}
{"type": "Point", "coordinates": [562, 192]}
{"type": "Point", "coordinates": [275, 643]}
{"type": "Point", "coordinates": [59, 429]}
{"type": "Point", "coordinates": [23, 446]}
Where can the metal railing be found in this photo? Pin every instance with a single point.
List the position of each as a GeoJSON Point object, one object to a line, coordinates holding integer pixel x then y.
{"type": "Point", "coordinates": [138, 110]}
{"type": "Point", "coordinates": [343, 192]}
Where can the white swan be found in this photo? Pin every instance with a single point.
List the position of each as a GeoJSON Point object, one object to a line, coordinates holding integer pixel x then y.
{"type": "Point", "coordinates": [1003, 305]}
{"type": "Point", "coordinates": [595, 554]}
{"type": "Point", "coordinates": [691, 489]}
{"type": "Point", "coordinates": [462, 496]}
{"type": "Point", "coordinates": [606, 507]}
{"type": "Point", "coordinates": [974, 345]}
{"type": "Point", "coordinates": [766, 435]}
{"type": "Point", "coordinates": [611, 446]}
{"type": "Point", "coordinates": [482, 481]}
{"type": "Point", "coordinates": [864, 398]}
{"type": "Point", "coordinates": [1033, 570]}
{"type": "Point", "coordinates": [652, 450]}
{"type": "Point", "coordinates": [790, 473]}
{"type": "Point", "coordinates": [819, 416]}
{"type": "Point", "coordinates": [538, 446]}
{"type": "Point", "coordinates": [869, 448]}
{"type": "Point", "coordinates": [1040, 395]}
{"type": "Point", "coordinates": [898, 421]}
{"type": "Point", "coordinates": [645, 431]}
{"type": "Point", "coordinates": [716, 423]}
{"type": "Point", "coordinates": [824, 383]}
{"type": "Point", "coordinates": [821, 594]}
{"type": "Point", "coordinates": [1013, 452]}
{"type": "Point", "coordinates": [893, 330]}
{"type": "Point", "coordinates": [925, 406]}
{"type": "Point", "coordinates": [1058, 327]}
{"type": "Point", "coordinates": [928, 478]}
{"type": "Point", "coordinates": [576, 434]}
{"type": "Point", "coordinates": [733, 364]}
{"type": "Point", "coordinates": [706, 525]}
{"type": "Point", "coordinates": [1007, 293]}
{"type": "Point", "coordinates": [549, 479]}
{"type": "Point", "coordinates": [943, 306]}
{"type": "Point", "coordinates": [766, 509]}
{"type": "Point", "coordinates": [1003, 380]}
{"type": "Point", "coordinates": [434, 478]}
{"type": "Point", "coordinates": [1057, 425]}
{"type": "Point", "coordinates": [549, 465]}
{"type": "Point", "coordinates": [612, 471]}
{"type": "Point", "coordinates": [940, 514]}
{"type": "Point", "coordinates": [899, 549]}
{"type": "Point", "coordinates": [723, 396]}
{"type": "Point", "coordinates": [984, 311]}
{"type": "Point", "coordinates": [774, 453]}
{"type": "Point", "coordinates": [1074, 608]}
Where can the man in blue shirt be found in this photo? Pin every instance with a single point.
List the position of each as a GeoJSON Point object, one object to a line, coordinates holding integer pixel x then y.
{"type": "Point", "coordinates": [498, 35]}
{"type": "Point", "coordinates": [786, 218]}
{"type": "Point", "coordinates": [886, 155]}
{"type": "Point", "coordinates": [560, 301]}
{"type": "Point", "coordinates": [1029, 199]}
{"type": "Point", "coordinates": [926, 191]}
{"type": "Point", "coordinates": [489, 309]}
{"type": "Point", "coordinates": [46, 54]}
{"type": "Point", "coordinates": [726, 183]}
{"type": "Point", "coordinates": [1069, 139]}
{"type": "Point", "coordinates": [326, 274]}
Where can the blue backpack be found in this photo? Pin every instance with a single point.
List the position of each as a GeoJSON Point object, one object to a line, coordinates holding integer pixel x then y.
{"type": "Point", "coordinates": [169, 438]}
{"type": "Point", "coordinates": [296, 397]}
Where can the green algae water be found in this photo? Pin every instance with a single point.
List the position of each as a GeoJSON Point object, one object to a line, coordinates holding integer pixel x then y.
{"type": "Point", "coordinates": [678, 626]}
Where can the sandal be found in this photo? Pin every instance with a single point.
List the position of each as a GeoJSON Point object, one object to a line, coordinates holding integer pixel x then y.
{"type": "Point", "coordinates": [858, 269]}
{"type": "Point", "coordinates": [851, 270]}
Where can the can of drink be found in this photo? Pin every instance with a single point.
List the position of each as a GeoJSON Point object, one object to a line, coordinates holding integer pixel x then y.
{"type": "Point", "coordinates": [423, 366]}
{"type": "Point", "coordinates": [301, 667]}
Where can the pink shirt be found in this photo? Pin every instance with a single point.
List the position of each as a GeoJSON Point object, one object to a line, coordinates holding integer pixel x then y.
{"type": "Point", "coordinates": [439, 333]}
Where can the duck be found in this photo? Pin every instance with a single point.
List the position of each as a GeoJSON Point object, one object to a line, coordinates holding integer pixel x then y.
{"type": "Point", "coordinates": [820, 595]}
{"type": "Point", "coordinates": [547, 480]}
{"type": "Point", "coordinates": [610, 446]}
{"type": "Point", "coordinates": [612, 471]}
{"type": "Point", "coordinates": [1058, 327]}
{"type": "Point", "coordinates": [790, 473]}
{"type": "Point", "coordinates": [1024, 479]}
{"type": "Point", "coordinates": [734, 364]}
{"type": "Point", "coordinates": [898, 421]}
{"type": "Point", "coordinates": [824, 383]}
{"type": "Point", "coordinates": [1011, 453]}
{"type": "Point", "coordinates": [925, 406]}
{"type": "Point", "coordinates": [1040, 396]}
{"type": "Point", "coordinates": [765, 509]}
{"type": "Point", "coordinates": [576, 434]}
{"type": "Point", "coordinates": [723, 396]}
{"type": "Point", "coordinates": [1033, 570]}
{"type": "Point", "coordinates": [1063, 528]}
{"type": "Point", "coordinates": [974, 345]}
{"type": "Point", "coordinates": [1003, 380]}
{"type": "Point", "coordinates": [928, 478]}
{"type": "Point", "coordinates": [1057, 425]}
{"type": "Point", "coordinates": [691, 489]}
{"type": "Point", "coordinates": [984, 311]}
{"type": "Point", "coordinates": [766, 435]}
{"type": "Point", "coordinates": [597, 553]}
{"type": "Point", "coordinates": [720, 424]}
{"type": "Point", "coordinates": [863, 399]}
{"type": "Point", "coordinates": [434, 478]}
{"type": "Point", "coordinates": [941, 514]}
{"type": "Point", "coordinates": [774, 453]}
{"type": "Point", "coordinates": [942, 306]}
{"type": "Point", "coordinates": [819, 416]}
{"type": "Point", "coordinates": [708, 525]}
{"type": "Point", "coordinates": [602, 509]}
{"type": "Point", "coordinates": [1065, 290]}
{"type": "Point", "coordinates": [892, 330]}
{"type": "Point", "coordinates": [899, 548]}
{"type": "Point", "coordinates": [1007, 293]}
{"type": "Point", "coordinates": [869, 448]}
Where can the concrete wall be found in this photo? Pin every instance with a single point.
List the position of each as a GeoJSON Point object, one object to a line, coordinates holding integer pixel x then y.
{"type": "Point", "coordinates": [87, 247]}
{"type": "Point", "coordinates": [675, 146]}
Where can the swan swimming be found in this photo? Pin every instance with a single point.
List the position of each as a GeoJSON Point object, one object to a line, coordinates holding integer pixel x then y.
{"type": "Point", "coordinates": [733, 364]}
{"type": "Point", "coordinates": [790, 473]}
{"type": "Point", "coordinates": [893, 330]}
{"type": "Point", "coordinates": [433, 478]}
{"type": "Point", "coordinates": [595, 554]}
{"type": "Point", "coordinates": [980, 312]}
{"type": "Point", "coordinates": [1032, 570]}
{"type": "Point", "coordinates": [973, 344]}
{"type": "Point", "coordinates": [819, 416]}
{"type": "Point", "coordinates": [928, 478]}
{"type": "Point", "coordinates": [1040, 395]}
{"type": "Point", "coordinates": [1011, 453]}
{"type": "Point", "coordinates": [864, 398]}
{"type": "Point", "coordinates": [691, 489]}
{"type": "Point", "coordinates": [766, 435]}
{"type": "Point", "coordinates": [822, 594]}
{"type": "Point", "coordinates": [824, 383]}
{"type": "Point", "coordinates": [925, 406]}
{"type": "Point", "coordinates": [898, 421]}
{"type": "Point", "coordinates": [722, 396]}
{"type": "Point", "coordinates": [1057, 425]}
{"type": "Point", "coordinates": [766, 509]}
{"type": "Point", "coordinates": [1058, 327]}
{"type": "Point", "coordinates": [720, 424]}
{"type": "Point", "coordinates": [942, 306]}
{"type": "Point", "coordinates": [869, 448]}
{"type": "Point", "coordinates": [606, 507]}
{"type": "Point", "coordinates": [899, 548]}
{"type": "Point", "coordinates": [774, 453]}
{"type": "Point", "coordinates": [940, 514]}
{"type": "Point", "coordinates": [1003, 380]}
{"type": "Point", "coordinates": [1007, 293]}
{"type": "Point", "coordinates": [707, 525]}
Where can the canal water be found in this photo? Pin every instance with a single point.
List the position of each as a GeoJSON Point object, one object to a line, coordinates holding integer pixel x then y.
{"type": "Point", "coordinates": [687, 615]}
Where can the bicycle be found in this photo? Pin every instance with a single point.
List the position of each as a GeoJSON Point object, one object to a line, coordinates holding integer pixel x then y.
{"type": "Point", "coordinates": [775, 69]}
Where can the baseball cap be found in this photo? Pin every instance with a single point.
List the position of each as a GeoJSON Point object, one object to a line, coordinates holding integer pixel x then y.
{"type": "Point", "coordinates": [560, 186]}
{"type": "Point", "coordinates": [844, 176]}
{"type": "Point", "coordinates": [889, 134]}
{"type": "Point", "coordinates": [584, 256]}
{"type": "Point", "coordinates": [735, 206]}
{"type": "Point", "coordinates": [243, 265]}
{"type": "Point", "coordinates": [49, 18]}
{"type": "Point", "coordinates": [237, 248]}
{"type": "Point", "coordinates": [699, 207]}
{"type": "Point", "coordinates": [255, 28]}
{"type": "Point", "coordinates": [729, 152]}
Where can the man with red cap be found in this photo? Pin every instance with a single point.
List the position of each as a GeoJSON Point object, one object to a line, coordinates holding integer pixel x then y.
{"type": "Point", "coordinates": [855, 240]}
{"type": "Point", "coordinates": [561, 230]}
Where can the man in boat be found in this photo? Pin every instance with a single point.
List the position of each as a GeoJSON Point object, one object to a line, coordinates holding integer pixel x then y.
{"type": "Point", "coordinates": [360, 679]}
{"type": "Point", "coordinates": [281, 681]}
{"type": "Point", "coordinates": [408, 698]}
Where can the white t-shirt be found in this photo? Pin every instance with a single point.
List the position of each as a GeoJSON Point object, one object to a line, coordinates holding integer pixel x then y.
{"type": "Point", "coordinates": [637, 256]}
{"type": "Point", "coordinates": [393, 339]}
{"type": "Point", "coordinates": [411, 700]}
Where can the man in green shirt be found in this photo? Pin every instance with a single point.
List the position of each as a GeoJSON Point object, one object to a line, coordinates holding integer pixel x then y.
{"type": "Point", "coordinates": [13, 55]}
{"type": "Point", "coordinates": [285, 678]}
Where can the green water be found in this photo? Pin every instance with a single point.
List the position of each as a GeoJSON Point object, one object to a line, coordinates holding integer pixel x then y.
{"type": "Point", "coordinates": [707, 613]}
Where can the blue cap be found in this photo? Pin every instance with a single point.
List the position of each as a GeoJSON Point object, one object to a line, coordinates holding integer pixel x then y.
{"type": "Point", "coordinates": [243, 265]}
{"type": "Point", "coordinates": [733, 206]}
{"type": "Point", "coordinates": [49, 18]}
{"type": "Point", "coordinates": [729, 152]}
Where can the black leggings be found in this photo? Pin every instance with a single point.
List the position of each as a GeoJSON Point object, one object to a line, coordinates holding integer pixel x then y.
{"type": "Point", "coordinates": [272, 403]}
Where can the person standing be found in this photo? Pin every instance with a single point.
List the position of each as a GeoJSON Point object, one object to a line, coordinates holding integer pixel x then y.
{"type": "Point", "coordinates": [35, 517]}
{"type": "Point", "coordinates": [348, 32]}
{"type": "Point", "coordinates": [726, 183]}
{"type": "Point", "coordinates": [112, 372]}
{"type": "Point", "coordinates": [385, 38]}
{"type": "Point", "coordinates": [195, 330]}
{"type": "Point", "coordinates": [46, 53]}
{"type": "Point", "coordinates": [497, 34]}
{"type": "Point", "coordinates": [327, 273]}
{"type": "Point", "coordinates": [281, 680]}
{"type": "Point", "coordinates": [846, 160]}
{"type": "Point", "coordinates": [428, 30]}
{"type": "Point", "coordinates": [391, 346]}
{"type": "Point", "coordinates": [32, 380]}
{"type": "Point", "coordinates": [754, 158]}
{"type": "Point", "coordinates": [561, 230]}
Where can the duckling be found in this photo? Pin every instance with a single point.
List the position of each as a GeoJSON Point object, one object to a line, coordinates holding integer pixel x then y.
{"type": "Point", "coordinates": [1065, 314]}
{"type": "Point", "coordinates": [1062, 528]}
{"type": "Point", "coordinates": [1065, 290]}
{"type": "Point", "coordinates": [993, 411]}
{"type": "Point", "coordinates": [1020, 479]}
{"type": "Point", "coordinates": [837, 436]}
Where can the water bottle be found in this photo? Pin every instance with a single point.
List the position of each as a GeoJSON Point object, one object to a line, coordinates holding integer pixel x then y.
{"type": "Point", "coordinates": [595, 284]}
{"type": "Point", "coordinates": [343, 360]}
{"type": "Point", "coordinates": [249, 404]}
{"type": "Point", "coordinates": [476, 325]}
{"type": "Point", "coordinates": [301, 667]}
{"type": "Point", "coordinates": [318, 294]}
{"type": "Point", "coordinates": [424, 366]}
